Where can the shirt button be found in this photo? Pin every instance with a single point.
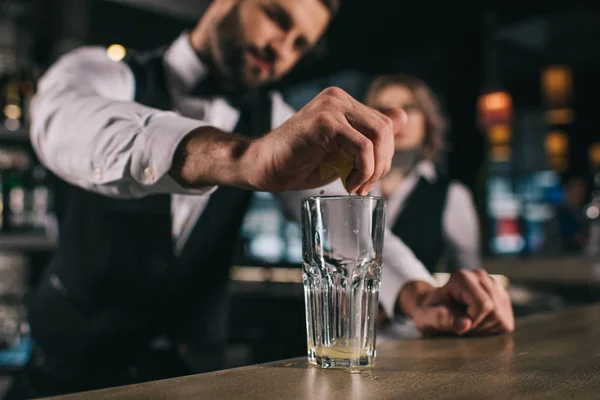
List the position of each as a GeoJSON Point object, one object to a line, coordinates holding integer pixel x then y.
{"type": "Point", "coordinates": [149, 173]}
{"type": "Point", "coordinates": [98, 174]}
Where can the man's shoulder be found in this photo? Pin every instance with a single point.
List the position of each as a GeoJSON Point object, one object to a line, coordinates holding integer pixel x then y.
{"type": "Point", "coordinates": [90, 66]}
{"type": "Point", "coordinates": [85, 53]}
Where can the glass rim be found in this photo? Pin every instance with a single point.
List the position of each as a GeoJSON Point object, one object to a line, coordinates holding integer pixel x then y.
{"type": "Point", "coordinates": [342, 197]}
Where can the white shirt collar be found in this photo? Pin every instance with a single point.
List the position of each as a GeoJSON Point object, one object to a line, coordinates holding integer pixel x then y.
{"type": "Point", "coordinates": [426, 169]}
{"type": "Point", "coordinates": [395, 202]}
{"type": "Point", "coordinates": [183, 64]}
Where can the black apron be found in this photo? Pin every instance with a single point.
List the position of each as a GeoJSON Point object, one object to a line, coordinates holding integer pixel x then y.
{"type": "Point", "coordinates": [420, 224]}
{"type": "Point", "coordinates": [114, 282]}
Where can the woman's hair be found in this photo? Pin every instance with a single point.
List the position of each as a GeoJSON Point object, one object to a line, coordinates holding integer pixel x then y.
{"type": "Point", "coordinates": [435, 122]}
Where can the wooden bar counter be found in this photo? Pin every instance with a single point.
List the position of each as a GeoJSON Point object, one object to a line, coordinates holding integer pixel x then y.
{"type": "Point", "coordinates": [553, 356]}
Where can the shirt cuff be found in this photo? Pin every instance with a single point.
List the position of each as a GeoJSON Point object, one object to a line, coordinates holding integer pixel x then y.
{"type": "Point", "coordinates": [183, 64]}
{"type": "Point", "coordinates": [153, 160]}
{"type": "Point", "coordinates": [400, 267]}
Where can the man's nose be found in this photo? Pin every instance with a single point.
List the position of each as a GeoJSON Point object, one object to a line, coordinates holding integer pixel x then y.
{"type": "Point", "coordinates": [270, 53]}
{"type": "Point", "coordinates": [282, 47]}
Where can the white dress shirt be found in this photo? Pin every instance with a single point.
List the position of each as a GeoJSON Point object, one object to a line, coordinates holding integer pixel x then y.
{"type": "Point", "coordinates": [460, 224]}
{"type": "Point", "coordinates": [88, 130]}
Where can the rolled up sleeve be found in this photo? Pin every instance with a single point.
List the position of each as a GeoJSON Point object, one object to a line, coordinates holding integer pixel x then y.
{"type": "Point", "coordinates": [87, 129]}
{"type": "Point", "coordinates": [461, 229]}
{"type": "Point", "coordinates": [400, 267]}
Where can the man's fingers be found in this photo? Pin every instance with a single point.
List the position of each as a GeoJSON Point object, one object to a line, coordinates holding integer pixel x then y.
{"type": "Point", "coordinates": [365, 134]}
{"type": "Point", "coordinates": [399, 118]}
{"type": "Point", "coordinates": [361, 149]}
{"type": "Point", "coordinates": [379, 129]}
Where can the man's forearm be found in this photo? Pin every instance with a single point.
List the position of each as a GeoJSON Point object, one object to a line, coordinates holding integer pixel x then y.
{"type": "Point", "coordinates": [209, 156]}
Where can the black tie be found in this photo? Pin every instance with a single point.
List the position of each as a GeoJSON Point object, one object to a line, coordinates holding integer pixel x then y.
{"type": "Point", "coordinates": [254, 106]}
{"type": "Point", "coordinates": [200, 291]}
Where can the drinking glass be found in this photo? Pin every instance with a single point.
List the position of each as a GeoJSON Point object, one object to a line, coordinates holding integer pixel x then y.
{"type": "Point", "coordinates": [342, 240]}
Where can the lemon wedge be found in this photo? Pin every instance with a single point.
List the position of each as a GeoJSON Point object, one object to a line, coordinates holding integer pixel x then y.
{"type": "Point", "coordinates": [337, 164]}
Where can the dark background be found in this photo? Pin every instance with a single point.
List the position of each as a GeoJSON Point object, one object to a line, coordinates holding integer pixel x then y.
{"type": "Point", "coordinates": [460, 48]}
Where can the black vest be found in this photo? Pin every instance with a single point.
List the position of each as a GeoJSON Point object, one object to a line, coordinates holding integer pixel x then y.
{"type": "Point", "coordinates": [420, 224]}
{"type": "Point", "coordinates": [114, 282]}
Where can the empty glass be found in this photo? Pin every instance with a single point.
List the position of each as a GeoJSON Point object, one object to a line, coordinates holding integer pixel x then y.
{"type": "Point", "coordinates": [342, 240]}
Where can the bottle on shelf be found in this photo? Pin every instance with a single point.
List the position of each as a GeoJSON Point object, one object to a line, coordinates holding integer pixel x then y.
{"type": "Point", "coordinates": [12, 113]}
{"type": "Point", "coordinates": [41, 215]}
{"type": "Point", "coordinates": [14, 164]}
{"type": "Point", "coordinates": [19, 198]}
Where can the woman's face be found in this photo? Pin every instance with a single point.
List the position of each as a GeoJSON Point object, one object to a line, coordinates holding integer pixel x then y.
{"type": "Point", "coordinates": [399, 96]}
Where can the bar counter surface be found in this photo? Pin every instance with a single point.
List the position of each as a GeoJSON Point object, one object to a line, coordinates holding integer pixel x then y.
{"type": "Point", "coordinates": [549, 356]}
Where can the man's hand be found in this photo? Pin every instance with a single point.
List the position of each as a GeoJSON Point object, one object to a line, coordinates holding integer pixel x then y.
{"type": "Point", "coordinates": [289, 157]}
{"type": "Point", "coordinates": [471, 301]}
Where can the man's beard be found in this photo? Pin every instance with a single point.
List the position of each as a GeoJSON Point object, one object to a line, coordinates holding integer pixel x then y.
{"type": "Point", "coordinates": [232, 49]}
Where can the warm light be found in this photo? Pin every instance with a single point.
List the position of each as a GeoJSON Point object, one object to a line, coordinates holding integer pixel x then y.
{"type": "Point", "coordinates": [594, 153]}
{"type": "Point", "coordinates": [557, 85]}
{"type": "Point", "coordinates": [500, 153]}
{"type": "Point", "coordinates": [495, 101]}
{"type": "Point", "coordinates": [560, 116]}
{"type": "Point", "coordinates": [12, 111]}
{"type": "Point", "coordinates": [499, 134]}
{"type": "Point", "coordinates": [557, 143]}
{"type": "Point", "coordinates": [116, 52]}
{"type": "Point", "coordinates": [495, 108]}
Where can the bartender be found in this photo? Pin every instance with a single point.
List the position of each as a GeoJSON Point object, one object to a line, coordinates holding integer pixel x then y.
{"type": "Point", "coordinates": [145, 152]}
{"type": "Point", "coordinates": [434, 216]}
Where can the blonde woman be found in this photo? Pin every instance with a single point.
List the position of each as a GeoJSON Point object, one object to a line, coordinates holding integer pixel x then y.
{"type": "Point", "coordinates": [434, 216]}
